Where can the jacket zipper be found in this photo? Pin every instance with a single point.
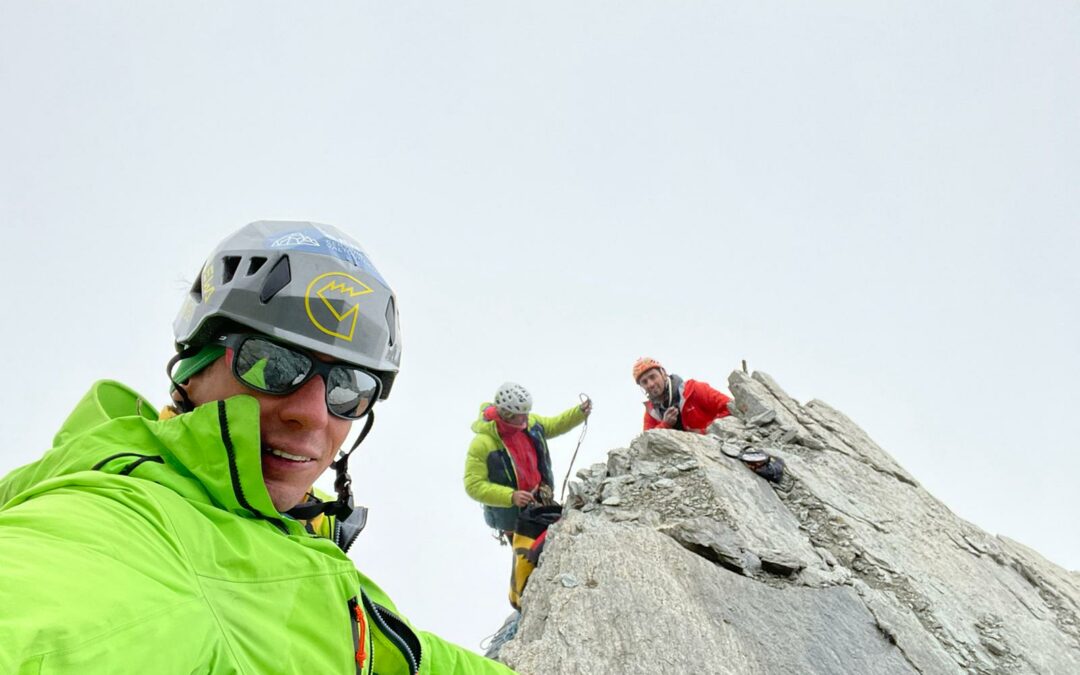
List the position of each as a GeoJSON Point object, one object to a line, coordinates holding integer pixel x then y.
{"type": "Point", "coordinates": [513, 468]}
{"type": "Point", "coordinates": [234, 472]}
{"type": "Point", "coordinates": [361, 639]}
{"type": "Point", "coordinates": [376, 613]}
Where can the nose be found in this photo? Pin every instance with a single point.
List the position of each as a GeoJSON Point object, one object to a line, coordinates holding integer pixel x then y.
{"type": "Point", "coordinates": [306, 406]}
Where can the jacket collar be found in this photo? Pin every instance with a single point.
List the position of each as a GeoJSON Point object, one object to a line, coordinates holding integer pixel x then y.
{"type": "Point", "coordinates": [487, 427]}
{"type": "Point", "coordinates": [211, 455]}
{"type": "Point", "coordinates": [219, 444]}
{"type": "Point", "coordinates": [673, 396]}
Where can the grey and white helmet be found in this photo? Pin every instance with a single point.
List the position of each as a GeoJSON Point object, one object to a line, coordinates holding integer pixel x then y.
{"type": "Point", "coordinates": [307, 284]}
{"type": "Point", "coordinates": [513, 399]}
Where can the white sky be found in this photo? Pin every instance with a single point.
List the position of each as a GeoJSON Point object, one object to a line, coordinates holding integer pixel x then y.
{"type": "Point", "coordinates": [874, 202]}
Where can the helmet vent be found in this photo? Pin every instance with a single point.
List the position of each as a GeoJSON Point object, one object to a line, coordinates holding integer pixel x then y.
{"type": "Point", "coordinates": [196, 289]}
{"type": "Point", "coordinates": [229, 264]}
{"type": "Point", "coordinates": [255, 265]}
{"type": "Point", "coordinates": [391, 321]}
{"type": "Point", "coordinates": [279, 277]}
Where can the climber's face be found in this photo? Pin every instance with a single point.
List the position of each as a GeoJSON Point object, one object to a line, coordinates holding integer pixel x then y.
{"type": "Point", "coordinates": [299, 434]}
{"type": "Point", "coordinates": [518, 420]}
{"type": "Point", "coordinates": [653, 382]}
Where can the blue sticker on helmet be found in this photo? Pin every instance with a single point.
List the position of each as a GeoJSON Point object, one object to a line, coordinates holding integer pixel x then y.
{"type": "Point", "coordinates": [313, 240]}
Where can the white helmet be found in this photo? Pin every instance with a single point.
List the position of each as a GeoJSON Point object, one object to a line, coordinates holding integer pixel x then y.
{"type": "Point", "coordinates": [513, 399]}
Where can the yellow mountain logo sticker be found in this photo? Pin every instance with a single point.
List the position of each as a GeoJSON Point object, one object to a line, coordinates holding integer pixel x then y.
{"type": "Point", "coordinates": [330, 301]}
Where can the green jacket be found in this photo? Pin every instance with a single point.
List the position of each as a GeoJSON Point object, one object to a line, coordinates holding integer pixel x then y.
{"type": "Point", "coordinates": [490, 473]}
{"type": "Point", "coordinates": [145, 545]}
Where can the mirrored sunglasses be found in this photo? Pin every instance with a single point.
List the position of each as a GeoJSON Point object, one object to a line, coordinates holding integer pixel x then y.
{"type": "Point", "coordinates": [277, 368]}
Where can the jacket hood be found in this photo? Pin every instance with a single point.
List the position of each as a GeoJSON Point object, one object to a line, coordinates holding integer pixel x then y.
{"type": "Point", "coordinates": [211, 455]}
{"type": "Point", "coordinates": [105, 401]}
{"type": "Point", "coordinates": [484, 424]}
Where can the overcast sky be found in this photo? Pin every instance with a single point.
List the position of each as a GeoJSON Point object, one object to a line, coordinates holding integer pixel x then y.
{"type": "Point", "coordinates": [874, 202]}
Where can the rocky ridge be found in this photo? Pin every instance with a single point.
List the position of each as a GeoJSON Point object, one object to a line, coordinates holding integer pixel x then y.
{"type": "Point", "coordinates": [675, 558]}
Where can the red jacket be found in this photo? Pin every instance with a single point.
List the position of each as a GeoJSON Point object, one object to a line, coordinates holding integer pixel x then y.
{"type": "Point", "coordinates": [699, 405]}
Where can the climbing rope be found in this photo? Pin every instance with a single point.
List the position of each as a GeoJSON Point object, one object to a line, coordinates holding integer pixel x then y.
{"type": "Point", "coordinates": [585, 427]}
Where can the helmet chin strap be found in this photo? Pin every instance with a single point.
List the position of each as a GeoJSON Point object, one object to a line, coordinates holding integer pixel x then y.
{"type": "Point", "coordinates": [342, 507]}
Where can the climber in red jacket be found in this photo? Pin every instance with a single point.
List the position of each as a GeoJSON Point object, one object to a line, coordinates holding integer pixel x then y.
{"type": "Point", "coordinates": [674, 403]}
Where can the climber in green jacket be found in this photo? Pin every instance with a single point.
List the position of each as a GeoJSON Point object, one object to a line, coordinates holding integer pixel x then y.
{"type": "Point", "coordinates": [182, 543]}
{"type": "Point", "coordinates": [508, 465]}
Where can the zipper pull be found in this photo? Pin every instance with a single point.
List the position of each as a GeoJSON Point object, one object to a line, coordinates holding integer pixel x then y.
{"type": "Point", "coordinates": [359, 625]}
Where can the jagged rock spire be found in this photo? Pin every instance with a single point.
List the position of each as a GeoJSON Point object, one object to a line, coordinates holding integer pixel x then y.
{"type": "Point", "coordinates": [675, 558]}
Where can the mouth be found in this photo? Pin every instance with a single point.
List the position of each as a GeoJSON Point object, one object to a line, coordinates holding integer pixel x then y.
{"type": "Point", "coordinates": [287, 456]}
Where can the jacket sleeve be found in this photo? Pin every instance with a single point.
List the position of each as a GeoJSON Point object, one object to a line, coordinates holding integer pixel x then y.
{"type": "Point", "coordinates": [477, 484]}
{"type": "Point", "coordinates": [445, 658]}
{"type": "Point", "coordinates": [653, 423]}
{"type": "Point", "coordinates": [713, 401]}
{"type": "Point", "coordinates": [561, 423]}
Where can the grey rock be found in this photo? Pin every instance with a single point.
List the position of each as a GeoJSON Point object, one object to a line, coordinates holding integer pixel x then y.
{"type": "Point", "coordinates": [622, 516]}
{"type": "Point", "coordinates": [713, 541]}
{"type": "Point", "coordinates": [664, 483]}
{"type": "Point", "coordinates": [696, 564]}
{"type": "Point", "coordinates": [612, 488]}
{"type": "Point", "coordinates": [730, 449]}
{"type": "Point", "coordinates": [687, 465]}
{"type": "Point", "coordinates": [751, 399]}
{"type": "Point", "coordinates": [618, 463]}
{"type": "Point", "coordinates": [780, 563]}
{"type": "Point", "coordinates": [617, 621]}
{"type": "Point", "coordinates": [727, 428]}
{"type": "Point", "coordinates": [762, 418]}
{"type": "Point", "coordinates": [567, 580]}
{"type": "Point", "coordinates": [584, 492]}
{"type": "Point", "coordinates": [593, 474]}
{"type": "Point", "coordinates": [576, 496]}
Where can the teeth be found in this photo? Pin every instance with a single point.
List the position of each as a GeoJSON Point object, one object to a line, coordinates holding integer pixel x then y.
{"type": "Point", "coordinates": [285, 455]}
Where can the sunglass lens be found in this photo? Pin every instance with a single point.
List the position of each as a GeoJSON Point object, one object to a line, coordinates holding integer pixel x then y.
{"type": "Point", "coordinates": [270, 367]}
{"type": "Point", "coordinates": [276, 369]}
{"type": "Point", "coordinates": [350, 392]}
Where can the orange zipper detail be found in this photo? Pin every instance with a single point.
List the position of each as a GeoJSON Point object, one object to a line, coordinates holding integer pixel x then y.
{"type": "Point", "coordinates": [361, 622]}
